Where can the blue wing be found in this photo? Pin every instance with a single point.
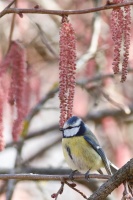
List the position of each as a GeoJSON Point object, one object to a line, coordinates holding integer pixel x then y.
{"type": "Point", "coordinates": [99, 150]}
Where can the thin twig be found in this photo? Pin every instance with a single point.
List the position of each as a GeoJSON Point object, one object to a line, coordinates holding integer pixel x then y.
{"type": "Point", "coordinates": [37, 177]}
{"type": "Point", "coordinates": [36, 109]}
{"type": "Point", "coordinates": [60, 191]}
{"type": "Point", "coordinates": [12, 23]}
{"type": "Point", "coordinates": [113, 102]}
{"type": "Point", "coordinates": [72, 185]}
{"type": "Point", "coordinates": [94, 116]}
{"type": "Point", "coordinates": [41, 151]}
{"type": "Point", "coordinates": [12, 28]}
{"type": "Point", "coordinates": [90, 53]}
{"type": "Point", "coordinates": [54, 127]}
{"type": "Point", "coordinates": [126, 192]}
{"type": "Point", "coordinates": [100, 91]}
{"type": "Point", "coordinates": [100, 77]}
{"type": "Point", "coordinates": [10, 4]}
{"type": "Point", "coordinates": [98, 115]}
{"type": "Point", "coordinates": [62, 12]}
{"type": "Point", "coordinates": [12, 183]}
{"type": "Point", "coordinates": [46, 42]}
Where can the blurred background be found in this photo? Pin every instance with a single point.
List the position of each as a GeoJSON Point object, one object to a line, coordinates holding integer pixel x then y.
{"type": "Point", "coordinates": [100, 98]}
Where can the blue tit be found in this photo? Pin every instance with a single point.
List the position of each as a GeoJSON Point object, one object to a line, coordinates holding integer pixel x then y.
{"type": "Point", "coordinates": [81, 148]}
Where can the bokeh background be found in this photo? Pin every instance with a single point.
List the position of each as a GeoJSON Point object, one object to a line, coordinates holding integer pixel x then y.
{"type": "Point", "coordinates": [100, 98]}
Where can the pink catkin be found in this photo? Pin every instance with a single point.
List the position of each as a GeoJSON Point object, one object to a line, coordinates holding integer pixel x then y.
{"type": "Point", "coordinates": [18, 84]}
{"type": "Point", "coordinates": [67, 69]}
{"type": "Point", "coordinates": [127, 31]}
{"type": "Point", "coordinates": [120, 27]}
{"type": "Point", "coordinates": [4, 86]}
{"type": "Point", "coordinates": [117, 31]}
{"type": "Point", "coordinates": [2, 143]}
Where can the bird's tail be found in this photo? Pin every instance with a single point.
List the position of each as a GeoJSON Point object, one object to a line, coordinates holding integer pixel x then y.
{"type": "Point", "coordinates": [113, 168]}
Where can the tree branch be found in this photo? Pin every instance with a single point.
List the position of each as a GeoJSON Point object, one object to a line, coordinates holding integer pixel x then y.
{"type": "Point", "coordinates": [91, 51]}
{"type": "Point", "coordinates": [100, 77]}
{"type": "Point", "coordinates": [38, 177]}
{"type": "Point", "coordinates": [41, 151]}
{"type": "Point", "coordinates": [36, 109]}
{"type": "Point", "coordinates": [61, 12]}
{"type": "Point", "coordinates": [96, 116]}
{"type": "Point", "coordinates": [122, 175]}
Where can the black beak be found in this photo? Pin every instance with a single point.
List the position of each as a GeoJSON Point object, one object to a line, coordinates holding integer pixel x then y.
{"type": "Point", "coordinates": [61, 129]}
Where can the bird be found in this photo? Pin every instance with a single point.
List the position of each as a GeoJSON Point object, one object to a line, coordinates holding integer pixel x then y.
{"type": "Point", "coordinates": [82, 150]}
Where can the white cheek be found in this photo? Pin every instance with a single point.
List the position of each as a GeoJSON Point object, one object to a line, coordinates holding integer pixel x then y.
{"type": "Point", "coordinates": [71, 132]}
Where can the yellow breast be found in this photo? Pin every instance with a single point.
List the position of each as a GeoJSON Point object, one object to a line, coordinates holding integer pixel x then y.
{"type": "Point", "coordinates": [80, 155]}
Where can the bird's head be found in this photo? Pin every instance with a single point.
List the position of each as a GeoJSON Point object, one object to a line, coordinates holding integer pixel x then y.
{"type": "Point", "coordinates": [74, 126]}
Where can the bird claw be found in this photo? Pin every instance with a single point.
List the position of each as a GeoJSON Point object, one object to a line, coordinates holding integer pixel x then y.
{"type": "Point", "coordinates": [100, 171]}
{"type": "Point", "coordinates": [72, 174]}
{"type": "Point", "coordinates": [87, 175]}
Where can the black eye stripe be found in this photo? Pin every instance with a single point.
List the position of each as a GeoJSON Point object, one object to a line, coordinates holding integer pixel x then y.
{"type": "Point", "coordinates": [70, 127]}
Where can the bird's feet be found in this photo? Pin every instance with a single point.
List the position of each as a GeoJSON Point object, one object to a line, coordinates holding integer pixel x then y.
{"type": "Point", "coordinates": [72, 174]}
{"type": "Point", "coordinates": [87, 175]}
{"type": "Point", "coordinates": [100, 171]}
